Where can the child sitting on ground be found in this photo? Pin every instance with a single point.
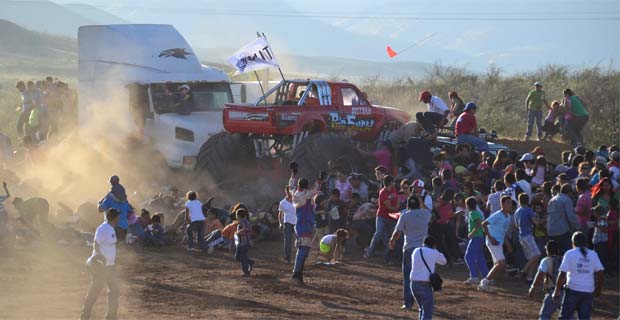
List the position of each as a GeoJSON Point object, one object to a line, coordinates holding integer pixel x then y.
{"type": "Point", "coordinates": [155, 233]}
{"type": "Point", "coordinates": [332, 245]}
{"type": "Point", "coordinates": [213, 230]}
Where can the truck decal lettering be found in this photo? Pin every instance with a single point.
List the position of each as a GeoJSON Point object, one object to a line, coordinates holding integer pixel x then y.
{"type": "Point", "coordinates": [349, 124]}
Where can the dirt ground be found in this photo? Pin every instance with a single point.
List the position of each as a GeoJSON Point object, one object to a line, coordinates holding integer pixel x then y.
{"type": "Point", "coordinates": [49, 282]}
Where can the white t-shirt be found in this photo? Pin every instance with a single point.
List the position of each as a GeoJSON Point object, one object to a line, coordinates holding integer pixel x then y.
{"type": "Point", "coordinates": [105, 236]}
{"type": "Point", "coordinates": [437, 105]}
{"type": "Point", "coordinates": [419, 272]}
{"type": "Point", "coordinates": [290, 213]}
{"type": "Point", "coordinates": [526, 187]}
{"type": "Point", "coordinates": [494, 202]}
{"type": "Point", "coordinates": [580, 270]}
{"type": "Point", "coordinates": [195, 210]}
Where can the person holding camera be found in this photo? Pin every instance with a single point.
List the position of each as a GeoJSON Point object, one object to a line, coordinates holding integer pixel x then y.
{"type": "Point", "coordinates": [423, 262]}
{"type": "Point", "coordinates": [101, 265]}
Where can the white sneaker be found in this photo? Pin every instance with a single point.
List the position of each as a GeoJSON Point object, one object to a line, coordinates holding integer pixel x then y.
{"type": "Point", "coordinates": [472, 281]}
{"type": "Point", "coordinates": [484, 285]}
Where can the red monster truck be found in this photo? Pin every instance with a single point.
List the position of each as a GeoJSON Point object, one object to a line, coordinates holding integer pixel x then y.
{"type": "Point", "coordinates": [307, 121]}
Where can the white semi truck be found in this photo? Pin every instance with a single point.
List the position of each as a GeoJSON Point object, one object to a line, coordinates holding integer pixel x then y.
{"type": "Point", "coordinates": [129, 87]}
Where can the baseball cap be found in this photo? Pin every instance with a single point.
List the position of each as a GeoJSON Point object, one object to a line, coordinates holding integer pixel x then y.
{"type": "Point", "coordinates": [460, 170]}
{"type": "Point", "coordinates": [601, 160]}
{"type": "Point", "coordinates": [418, 183]}
{"type": "Point", "coordinates": [184, 86]}
{"type": "Point", "coordinates": [483, 166]}
{"type": "Point", "coordinates": [538, 84]}
{"type": "Point", "coordinates": [615, 155]}
{"type": "Point", "coordinates": [469, 106]}
{"type": "Point", "coordinates": [560, 168]}
{"type": "Point", "coordinates": [527, 157]}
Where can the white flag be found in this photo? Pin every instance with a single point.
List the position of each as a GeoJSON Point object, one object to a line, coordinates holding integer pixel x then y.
{"type": "Point", "coordinates": [256, 55]}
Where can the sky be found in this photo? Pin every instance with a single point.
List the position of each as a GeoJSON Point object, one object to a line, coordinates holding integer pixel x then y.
{"type": "Point", "coordinates": [518, 35]}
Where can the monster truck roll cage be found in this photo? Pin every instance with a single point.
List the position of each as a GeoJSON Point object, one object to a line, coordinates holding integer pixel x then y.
{"type": "Point", "coordinates": [283, 93]}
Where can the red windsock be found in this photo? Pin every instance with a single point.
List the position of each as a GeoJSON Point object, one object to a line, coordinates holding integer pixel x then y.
{"type": "Point", "coordinates": [391, 53]}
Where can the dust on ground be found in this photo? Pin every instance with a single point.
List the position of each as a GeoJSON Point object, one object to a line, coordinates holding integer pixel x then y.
{"type": "Point", "coordinates": [49, 282]}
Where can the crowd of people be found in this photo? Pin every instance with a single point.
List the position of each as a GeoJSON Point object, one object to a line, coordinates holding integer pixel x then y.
{"type": "Point", "coordinates": [550, 225]}
{"type": "Point", "coordinates": [47, 106]}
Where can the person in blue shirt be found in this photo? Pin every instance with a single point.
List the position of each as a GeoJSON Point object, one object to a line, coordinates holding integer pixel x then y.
{"type": "Point", "coordinates": [525, 219]}
{"type": "Point", "coordinates": [496, 227]}
{"type": "Point", "coordinates": [111, 201]}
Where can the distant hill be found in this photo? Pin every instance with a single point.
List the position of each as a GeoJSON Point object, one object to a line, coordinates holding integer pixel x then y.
{"type": "Point", "coordinates": [23, 51]}
{"type": "Point", "coordinates": [49, 17]}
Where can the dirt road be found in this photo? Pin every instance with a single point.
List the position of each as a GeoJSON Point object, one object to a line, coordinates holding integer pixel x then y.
{"type": "Point", "coordinates": [49, 282]}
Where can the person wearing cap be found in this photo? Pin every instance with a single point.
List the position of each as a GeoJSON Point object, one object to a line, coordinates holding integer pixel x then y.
{"type": "Point", "coordinates": [466, 128]}
{"type": "Point", "coordinates": [186, 104]}
{"type": "Point", "coordinates": [418, 190]}
{"type": "Point", "coordinates": [116, 198]}
{"type": "Point", "coordinates": [533, 106]}
{"type": "Point", "coordinates": [528, 161]}
{"type": "Point", "coordinates": [577, 116]}
{"type": "Point", "coordinates": [437, 113]}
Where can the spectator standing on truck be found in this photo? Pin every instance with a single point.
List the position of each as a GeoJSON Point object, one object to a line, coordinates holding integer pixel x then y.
{"type": "Point", "coordinates": [533, 107]}
{"type": "Point", "coordinates": [457, 106]}
{"type": "Point", "coordinates": [466, 128]}
{"type": "Point", "coordinates": [436, 115]}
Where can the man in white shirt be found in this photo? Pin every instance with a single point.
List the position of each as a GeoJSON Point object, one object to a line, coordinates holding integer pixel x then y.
{"type": "Point", "coordinates": [287, 216]}
{"type": "Point", "coordinates": [423, 263]}
{"type": "Point", "coordinates": [525, 186]}
{"type": "Point", "coordinates": [102, 267]}
{"type": "Point", "coordinates": [437, 113]}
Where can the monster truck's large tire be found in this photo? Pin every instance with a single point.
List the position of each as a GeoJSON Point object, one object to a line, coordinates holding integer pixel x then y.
{"type": "Point", "coordinates": [313, 153]}
{"type": "Point", "coordinates": [224, 153]}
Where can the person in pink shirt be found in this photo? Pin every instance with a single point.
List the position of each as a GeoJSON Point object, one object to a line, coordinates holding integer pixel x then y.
{"type": "Point", "coordinates": [583, 209]}
{"type": "Point", "coordinates": [383, 156]}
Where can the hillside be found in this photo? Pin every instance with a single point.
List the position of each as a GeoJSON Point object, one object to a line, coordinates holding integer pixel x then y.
{"type": "Point", "coordinates": [47, 16]}
{"type": "Point", "coordinates": [24, 51]}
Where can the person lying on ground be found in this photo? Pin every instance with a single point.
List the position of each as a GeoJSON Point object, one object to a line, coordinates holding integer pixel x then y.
{"type": "Point", "coordinates": [332, 246]}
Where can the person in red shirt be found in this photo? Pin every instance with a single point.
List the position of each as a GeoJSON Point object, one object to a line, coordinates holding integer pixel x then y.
{"type": "Point", "coordinates": [388, 202]}
{"type": "Point", "coordinates": [466, 129]}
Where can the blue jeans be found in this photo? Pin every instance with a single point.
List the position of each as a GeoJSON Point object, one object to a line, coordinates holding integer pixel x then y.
{"type": "Point", "coordinates": [198, 227]}
{"type": "Point", "coordinates": [288, 231]}
{"type": "Point", "coordinates": [137, 230]}
{"type": "Point", "coordinates": [407, 295]}
{"type": "Point", "coordinates": [241, 255]}
{"type": "Point", "coordinates": [473, 140]}
{"type": "Point", "coordinates": [534, 115]}
{"type": "Point", "coordinates": [382, 233]}
{"type": "Point", "coordinates": [549, 305]}
{"type": "Point", "coordinates": [474, 257]}
{"type": "Point", "coordinates": [576, 301]}
{"type": "Point", "coordinates": [300, 259]}
{"type": "Point", "coordinates": [423, 294]}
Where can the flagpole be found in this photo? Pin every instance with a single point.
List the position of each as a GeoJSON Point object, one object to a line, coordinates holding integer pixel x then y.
{"type": "Point", "coordinates": [274, 55]}
{"type": "Point", "coordinates": [260, 84]}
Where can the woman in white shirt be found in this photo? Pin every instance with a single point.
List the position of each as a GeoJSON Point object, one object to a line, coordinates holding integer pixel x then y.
{"type": "Point", "coordinates": [195, 221]}
{"type": "Point", "coordinates": [421, 273]}
{"type": "Point", "coordinates": [582, 272]}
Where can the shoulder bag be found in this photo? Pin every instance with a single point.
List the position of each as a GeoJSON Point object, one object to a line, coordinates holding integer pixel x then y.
{"type": "Point", "coordinates": [435, 279]}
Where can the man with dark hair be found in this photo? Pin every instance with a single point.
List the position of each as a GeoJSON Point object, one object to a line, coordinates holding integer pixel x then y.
{"type": "Point", "coordinates": [337, 211]}
{"type": "Point", "coordinates": [413, 223]}
{"type": "Point", "coordinates": [496, 228]}
{"type": "Point", "coordinates": [102, 266]}
{"type": "Point", "coordinates": [437, 113]}
{"type": "Point", "coordinates": [466, 128]}
{"type": "Point", "coordinates": [562, 220]}
{"type": "Point", "coordinates": [388, 202]}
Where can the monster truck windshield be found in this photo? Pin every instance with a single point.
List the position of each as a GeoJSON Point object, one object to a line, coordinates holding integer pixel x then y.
{"type": "Point", "coordinates": [172, 98]}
